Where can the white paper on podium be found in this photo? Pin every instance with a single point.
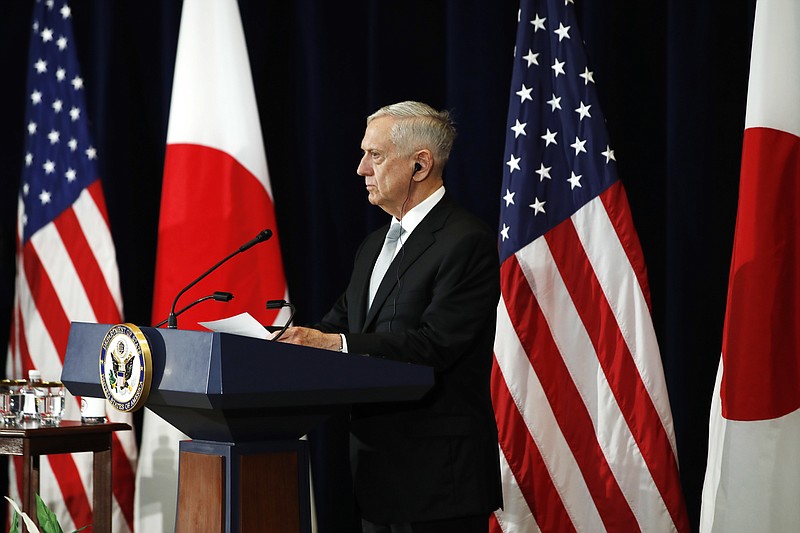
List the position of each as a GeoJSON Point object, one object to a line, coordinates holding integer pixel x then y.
{"type": "Point", "coordinates": [242, 324]}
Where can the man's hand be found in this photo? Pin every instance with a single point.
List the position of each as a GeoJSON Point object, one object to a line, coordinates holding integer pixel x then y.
{"type": "Point", "coordinates": [313, 338]}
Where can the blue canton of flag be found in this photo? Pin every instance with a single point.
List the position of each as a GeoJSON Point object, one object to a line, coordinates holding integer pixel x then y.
{"type": "Point", "coordinates": [557, 149]}
{"type": "Point", "coordinates": [60, 161]}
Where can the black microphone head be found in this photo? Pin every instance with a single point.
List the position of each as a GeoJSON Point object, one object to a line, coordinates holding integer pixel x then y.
{"type": "Point", "coordinates": [221, 296]}
{"type": "Point", "coordinates": [264, 235]}
{"type": "Point", "coordinates": [275, 304]}
{"type": "Point", "coordinates": [261, 237]}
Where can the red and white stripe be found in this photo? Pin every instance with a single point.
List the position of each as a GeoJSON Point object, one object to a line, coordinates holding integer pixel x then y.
{"type": "Point", "coordinates": [582, 408]}
{"type": "Point", "coordinates": [67, 272]}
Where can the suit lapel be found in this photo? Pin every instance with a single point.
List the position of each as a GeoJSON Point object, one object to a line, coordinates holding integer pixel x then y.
{"type": "Point", "coordinates": [362, 270]}
{"type": "Point", "coordinates": [420, 240]}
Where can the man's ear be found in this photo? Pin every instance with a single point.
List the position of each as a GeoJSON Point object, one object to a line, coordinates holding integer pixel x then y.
{"type": "Point", "coordinates": [423, 164]}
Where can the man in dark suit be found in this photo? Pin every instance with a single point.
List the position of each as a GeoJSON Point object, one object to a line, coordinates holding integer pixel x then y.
{"type": "Point", "coordinates": [430, 465]}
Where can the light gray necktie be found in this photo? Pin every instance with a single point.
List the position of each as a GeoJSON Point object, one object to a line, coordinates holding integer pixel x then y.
{"type": "Point", "coordinates": [384, 259]}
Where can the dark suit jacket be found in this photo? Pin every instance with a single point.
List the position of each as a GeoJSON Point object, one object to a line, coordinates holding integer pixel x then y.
{"type": "Point", "coordinates": [437, 457]}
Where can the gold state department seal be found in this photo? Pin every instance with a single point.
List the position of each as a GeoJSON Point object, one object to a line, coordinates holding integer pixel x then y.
{"type": "Point", "coordinates": [125, 367]}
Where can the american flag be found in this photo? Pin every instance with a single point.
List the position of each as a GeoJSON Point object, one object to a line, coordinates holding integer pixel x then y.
{"type": "Point", "coordinates": [585, 428]}
{"type": "Point", "coordinates": [66, 262]}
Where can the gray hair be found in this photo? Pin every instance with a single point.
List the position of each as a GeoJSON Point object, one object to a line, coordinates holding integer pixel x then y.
{"type": "Point", "coordinates": [419, 126]}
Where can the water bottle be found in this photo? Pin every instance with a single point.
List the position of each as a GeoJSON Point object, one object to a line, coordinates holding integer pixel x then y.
{"type": "Point", "coordinates": [28, 393]}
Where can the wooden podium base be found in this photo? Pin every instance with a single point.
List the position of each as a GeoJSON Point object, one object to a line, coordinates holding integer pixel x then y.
{"type": "Point", "coordinates": [226, 488]}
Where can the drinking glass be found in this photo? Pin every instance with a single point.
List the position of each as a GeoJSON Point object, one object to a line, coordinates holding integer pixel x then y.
{"type": "Point", "coordinates": [50, 402]}
{"type": "Point", "coordinates": [9, 401]}
{"type": "Point", "coordinates": [17, 398]}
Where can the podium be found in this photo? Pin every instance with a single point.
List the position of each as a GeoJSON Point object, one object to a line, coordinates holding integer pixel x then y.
{"type": "Point", "coordinates": [245, 402]}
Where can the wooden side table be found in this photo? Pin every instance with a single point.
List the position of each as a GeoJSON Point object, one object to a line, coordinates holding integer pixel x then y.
{"type": "Point", "coordinates": [31, 441]}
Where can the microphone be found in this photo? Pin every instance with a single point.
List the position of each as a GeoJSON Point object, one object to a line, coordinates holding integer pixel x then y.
{"type": "Point", "coordinates": [172, 320]}
{"type": "Point", "coordinates": [279, 304]}
{"type": "Point", "coordinates": [218, 296]}
{"type": "Point", "coordinates": [261, 237]}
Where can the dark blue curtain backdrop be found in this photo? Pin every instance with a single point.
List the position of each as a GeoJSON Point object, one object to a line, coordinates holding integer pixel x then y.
{"type": "Point", "coordinates": [672, 78]}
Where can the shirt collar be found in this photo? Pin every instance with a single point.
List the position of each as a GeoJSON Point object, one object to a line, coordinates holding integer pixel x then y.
{"type": "Point", "coordinates": [412, 219]}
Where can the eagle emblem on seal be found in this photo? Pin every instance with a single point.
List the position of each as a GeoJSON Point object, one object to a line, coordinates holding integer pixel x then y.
{"type": "Point", "coordinates": [125, 367]}
{"type": "Point", "coordinates": [121, 367]}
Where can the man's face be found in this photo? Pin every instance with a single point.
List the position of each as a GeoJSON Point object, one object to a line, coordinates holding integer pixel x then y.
{"type": "Point", "coordinates": [387, 175]}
